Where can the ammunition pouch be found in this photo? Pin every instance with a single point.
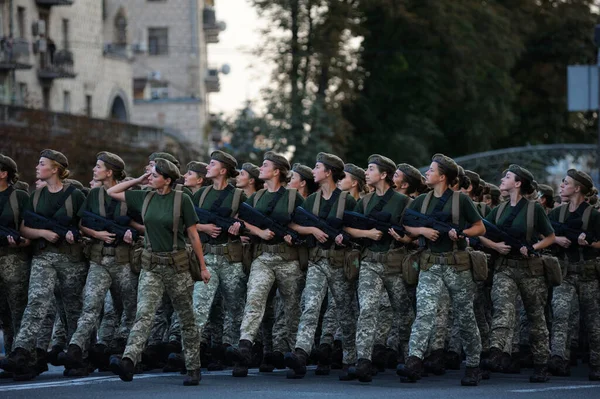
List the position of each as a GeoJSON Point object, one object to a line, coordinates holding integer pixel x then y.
{"type": "Point", "coordinates": [410, 266]}
{"type": "Point", "coordinates": [479, 264]}
{"type": "Point", "coordinates": [552, 270]}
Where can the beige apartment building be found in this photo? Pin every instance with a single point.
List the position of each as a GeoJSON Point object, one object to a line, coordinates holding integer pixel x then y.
{"type": "Point", "coordinates": [53, 56]}
{"type": "Point", "coordinates": [171, 77]}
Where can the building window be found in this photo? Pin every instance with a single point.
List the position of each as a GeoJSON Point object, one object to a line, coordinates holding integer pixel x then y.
{"type": "Point", "coordinates": [21, 24]}
{"type": "Point", "coordinates": [65, 34]}
{"type": "Point", "coordinates": [22, 93]}
{"type": "Point", "coordinates": [46, 98]}
{"type": "Point", "coordinates": [66, 102]}
{"type": "Point", "coordinates": [158, 41]}
{"type": "Point", "coordinates": [88, 105]}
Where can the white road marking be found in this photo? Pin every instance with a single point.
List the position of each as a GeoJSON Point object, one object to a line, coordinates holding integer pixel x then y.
{"type": "Point", "coordinates": [563, 388]}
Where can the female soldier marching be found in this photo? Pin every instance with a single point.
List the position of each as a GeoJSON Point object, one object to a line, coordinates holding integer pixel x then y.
{"type": "Point", "coordinates": [165, 264]}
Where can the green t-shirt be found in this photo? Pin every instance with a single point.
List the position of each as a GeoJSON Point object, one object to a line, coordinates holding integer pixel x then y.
{"type": "Point", "coordinates": [92, 203]}
{"type": "Point", "coordinates": [280, 211]}
{"type": "Point", "coordinates": [395, 207]}
{"type": "Point", "coordinates": [593, 227]}
{"type": "Point", "coordinates": [7, 218]}
{"type": "Point", "coordinates": [159, 218]}
{"type": "Point", "coordinates": [541, 223]}
{"type": "Point", "coordinates": [467, 216]}
{"type": "Point", "coordinates": [309, 203]}
{"type": "Point", "coordinates": [210, 198]}
{"type": "Point", "coordinates": [49, 201]}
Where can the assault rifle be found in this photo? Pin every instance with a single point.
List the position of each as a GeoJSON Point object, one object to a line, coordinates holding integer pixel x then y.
{"type": "Point", "coordinates": [8, 232]}
{"type": "Point", "coordinates": [497, 234]}
{"type": "Point", "coordinates": [413, 218]}
{"type": "Point", "coordinates": [307, 219]}
{"type": "Point", "coordinates": [375, 220]}
{"type": "Point", "coordinates": [220, 218]}
{"type": "Point", "coordinates": [564, 230]}
{"type": "Point", "coordinates": [258, 219]}
{"type": "Point", "coordinates": [59, 226]}
{"type": "Point", "coordinates": [119, 226]}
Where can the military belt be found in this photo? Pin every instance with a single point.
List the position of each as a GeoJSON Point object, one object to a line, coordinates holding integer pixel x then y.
{"type": "Point", "coordinates": [370, 256]}
{"type": "Point", "coordinates": [445, 258]}
{"type": "Point", "coordinates": [216, 249]}
{"type": "Point", "coordinates": [274, 249]}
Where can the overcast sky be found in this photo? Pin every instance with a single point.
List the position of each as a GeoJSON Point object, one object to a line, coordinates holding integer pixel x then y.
{"type": "Point", "coordinates": [234, 48]}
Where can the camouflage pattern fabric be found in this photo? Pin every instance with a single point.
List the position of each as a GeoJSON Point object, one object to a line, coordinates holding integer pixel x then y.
{"type": "Point", "coordinates": [230, 279]}
{"type": "Point", "coordinates": [461, 288]}
{"type": "Point", "coordinates": [321, 277]}
{"type": "Point", "coordinates": [162, 321]}
{"type": "Point", "coordinates": [102, 277]}
{"type": "Point", "coordinates": [373, 278]}
{"type": "Point", "coordinates": [110, 319]}
{"type": "Point", "coordinates": [508, 283]}
{"type": "Point", "coordinates": [49, 271]}
{"type": "Point", "coordinates": [152, 286]}
{"type": "Point", "coordinates": [267, 270]}
{"type": "Point", "coordinates": [14, 283]}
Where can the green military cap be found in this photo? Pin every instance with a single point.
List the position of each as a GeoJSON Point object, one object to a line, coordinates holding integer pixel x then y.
{"type": "Point", "coordinates": [164, 155]}
{"type": "Point", "coordinates": [303, 171]}
{"type": "Point", "coordinates": [75, 183]}
{"type": "Point", "coordinates": [252, 169]}
{"type": "Point", "coordinates": [224, 157]}
{"type": "Point", "coordinates": [9, 163]}
{"type": "Point", "coordinates": [330, 160]}
{"type": "Point", "coordinates": [494, 190]}
{"type": "Point", "coordinates": [55, 156]}
{"type": "Point", "coordinates": [523, 173]}
{"type": "Point", "coordinates": [198, 167]}
{"type": "Point", "coordinates": [111, 159]}
{"type": "Point", "coordinates": [581, 177]}
{"type": "Point", "coordinates": [409, 171]}
{"type": "Point", "coordinates": [355, 171]}
{"type": "Point", "coordinates": [277, 158]}
{"type": "Point", "coordinates": [384, 162]}
{"type": "Point", "coordinates": [448, 163]}
{"type": "Point", "coordinates": [21, 185]}
{"type": "Point", "coordinates": [474, 177]}
{"type": "Point", "coordinates": [545, 189]}
{"type": "Point", "coordinates": [167, 168]}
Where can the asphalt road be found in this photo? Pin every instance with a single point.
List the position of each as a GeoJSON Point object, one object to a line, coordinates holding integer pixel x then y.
{"type": "Point", "coordinates": [220, 384]}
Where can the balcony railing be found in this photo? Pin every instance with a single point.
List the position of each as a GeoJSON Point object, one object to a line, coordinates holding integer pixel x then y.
{"type": "Point", "coordinates": [14, 54]}
{"type": "Point", "coordinates": [212, 28]}
{"type": "Point", "coordinates": [212, 82]}
{"type": "Point", "coordinates": [56, 66]}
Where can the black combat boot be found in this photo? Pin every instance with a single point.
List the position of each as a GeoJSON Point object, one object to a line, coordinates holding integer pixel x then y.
{"type": "Point", "coordinates": [124, 368]}
{"type": "Point", "coordinates": [73, 358]}
{"type": "Point", "coordinates": [175, 363]}
{"type": "Point", "coordinates": [494, 361]}
{"type": "Point", "coordinates": [471, 378]}
{"type": "Point", "coordinates": [116, 346]}
{"type": "Point", "coordinates": [296, 362]}
{"type": "Point", "coordinates": [41, 363]}
{"type": "Point", "coordinates": [379, 357]}
{"type": "Point", "coordinates": [411, 370]}
{"type": "Point", "coordinates": [192, 378]}
{"type": "Point", "coordinates": [452, 361]}
{"type": "Point", "coordinates": [151, 357]}
{"type": "Point", "coordinates": [52, 355]}
{"type": "Point", "coordinates": [324, 359]}
{"type": "Point", "coordinates": [217, 358]}
{"type": "Point", "coordinates": [559, 367]}
{"type": "Point", "coordinates": [337, 355]}
{"type": "Point", "coordinates": [241, 357]}
{"type": "Point", "coordinates": [348, 373]}
{"type": "Point", "coordinates": [392, 358]}
{"type": "Point", "coordinates": [18, 361]}
{"type": "Point", "coordinates": [99, 357]}
{"type": "Point", "coordinates": [594, 374]}
{"type": "Point", "coordinates": [526, 356]}
{"type": "Point", "coordinates": [257, 355]}
{"type": "Point", "coordinates": [435, 362]}
{"type": "Point", "coordinates": [511, 365]}
{"type": "Point", "coordinates": [540, 373]}
{"type": "Point", "coordinates": [363, 370]}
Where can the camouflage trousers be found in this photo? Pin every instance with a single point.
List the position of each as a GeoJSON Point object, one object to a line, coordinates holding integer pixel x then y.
{"type": "Point", "coordinates": [213, 331]}
{"type": "Point", "coordinates": [51, 270]}
{"type": "Point", "coordinates": [121, 282]}
{"type": "Point", "coordinates": [269, 269]}
{"type": "Point", "coordinates": [230, 279]}
{"type": "Point", "coordinates": [562, 302]}
{"type": "Point", "coordinates": [508, 283]}
{"type": "Point", "coordinates": [178, 286]}
{"type": "Point", "coordinates": [330, 327]}
{"type": "Point", "coordinates": [461, 289]}
{"type": "Point", "coordinates": [321, 277]}
{"type": "Point", "coordinates": [110, 319]}
{"type": "Point", "coordinates": [373, 278]}
{"type": "Point", "coordinates": [14, 282]}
